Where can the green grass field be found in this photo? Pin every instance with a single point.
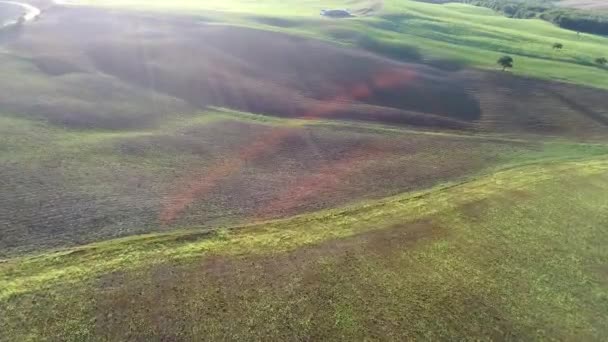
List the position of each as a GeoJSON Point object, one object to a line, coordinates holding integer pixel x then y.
{"type": "Point", "coordinates": [430, 263]}
{"type": "Point", "coordinates": [355, 204]}
{"type": "Point", "coordinates": [468, 35]}
{"type": "Point", "coordinates": [74, 186]}
{"type": "Point", "coordinates": [484, 259]}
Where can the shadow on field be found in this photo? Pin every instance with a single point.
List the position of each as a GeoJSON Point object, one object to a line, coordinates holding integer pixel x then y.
{"type": "Point", "coordinates": [532, 106]}
{"type": "Point", "coordinates": [580, 108]}
{"type": "Point", "coordinates": [175, 63]}
{"type": "Point", "coordinates": [446, 64]}
{"type": "Point", "coordinates": [397, 51]}
{"type": "Point", "coordinates": [274, 21]}
{"type": "Point", "coordinates": [55, 66]}
{"type": "Point", "coordinates": [116, 74]}
{"type": "Point", "coordinates": [272, 73]}
{"type": "Point", "coordinates": [252, 70]}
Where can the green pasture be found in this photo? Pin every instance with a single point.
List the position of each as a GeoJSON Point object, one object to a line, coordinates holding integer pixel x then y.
{"type": "Point", "coordinates": [517, 254]}
{"type": "Point", "coordinates": [416, 31]}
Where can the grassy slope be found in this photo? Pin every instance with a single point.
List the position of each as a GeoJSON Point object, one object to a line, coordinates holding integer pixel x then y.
{"type": "Point", "coordinates": [73, 186]}
{"type": "Point", "coordinates": [478, 35]}
{"type": "Point", "coordinates": [471, 35]}
{"type": "Point", "coordinates": [278, 7]}
{"type": "Point", "coordinates": [519, 253]}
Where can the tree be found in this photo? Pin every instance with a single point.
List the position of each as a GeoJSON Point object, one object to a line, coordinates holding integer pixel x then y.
{"type": "Point", "coordinates": [505, 62]}
{"type": "Point", "coordinates": [558, 46]}
{"type": "Point", "coordinates": [601, 61]}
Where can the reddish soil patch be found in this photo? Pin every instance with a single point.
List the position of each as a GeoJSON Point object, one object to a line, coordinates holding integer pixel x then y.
{"type": "Point", "coordinates": [307, 169]}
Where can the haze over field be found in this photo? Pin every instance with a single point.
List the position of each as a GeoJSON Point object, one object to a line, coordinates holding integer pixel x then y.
{"type": "Point", "coordinates": [238, 170]}
{"type": "Point", "coordinates": [585, 4]}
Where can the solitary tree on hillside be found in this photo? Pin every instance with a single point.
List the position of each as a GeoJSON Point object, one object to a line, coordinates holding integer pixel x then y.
{"type": "Point", "coordinates": [558, 46]}
{"type": "Point", "coordinates": [601, 61]}
{"type": "Point", "coordinates": [505, 62]}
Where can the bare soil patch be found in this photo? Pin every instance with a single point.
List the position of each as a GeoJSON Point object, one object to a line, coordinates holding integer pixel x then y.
{"type": "Point", "coordinates": [511, 104]}
{"type": "Point", "coordinates": [129, 181]}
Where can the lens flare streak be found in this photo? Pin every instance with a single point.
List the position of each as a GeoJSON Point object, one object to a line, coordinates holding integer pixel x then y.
{"type": "Point", "coordinates": [196, 186]}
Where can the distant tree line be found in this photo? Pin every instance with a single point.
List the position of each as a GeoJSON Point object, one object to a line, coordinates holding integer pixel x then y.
{"type": "Point", "coordinates": [578, 20]}
{"type": "Point", "coordinates": [572, 19]}
{"type": "Point", "coordinates": [513, 8]}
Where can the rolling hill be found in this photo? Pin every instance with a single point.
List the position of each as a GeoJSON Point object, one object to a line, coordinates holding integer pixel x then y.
{"type": "Point", "coordinates": [242, 170]}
